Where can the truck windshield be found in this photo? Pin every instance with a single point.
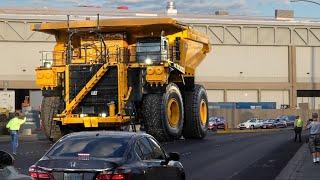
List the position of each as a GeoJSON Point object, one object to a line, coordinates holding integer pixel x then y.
{"type": "Point", "coordinates": [149, 49]}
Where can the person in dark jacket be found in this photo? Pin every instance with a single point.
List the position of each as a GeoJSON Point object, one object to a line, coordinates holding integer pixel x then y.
{"type": "Point", "coordinates": [307, 137]}
{"type": "Point", "coordinates": [314, 138]}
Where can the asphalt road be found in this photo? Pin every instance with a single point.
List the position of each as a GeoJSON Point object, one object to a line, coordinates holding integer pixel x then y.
{"type": "Point", "coordinates": [230, 156]}
{"type": "Point", "coordinates": [236, 156]}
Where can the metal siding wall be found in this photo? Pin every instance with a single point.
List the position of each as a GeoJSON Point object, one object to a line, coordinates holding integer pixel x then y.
{"type": "Point", "coordinates": [20, 31]}
{"type": "Point", "coordinates": [215, 95]}
{"type": "Point", "coordinates": [308, 70]}
{"type": "Point", "coordinates": [317, 103]}
{"type": "Point", "coordinates": [257, 64]}
{"type": "Point", "coordinates": [242, 96]}
{"type": "Point", "coordinates": [314, 102]}
{"type": "Point", "coordinates": [19, 59]}
{"type": "Point", "coordinates": [278, 96]}
{"type": "Point", "coordinates": [242, 32]}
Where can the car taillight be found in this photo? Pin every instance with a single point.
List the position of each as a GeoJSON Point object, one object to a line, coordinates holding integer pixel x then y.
{"type": "Point", "coordinates": [104, 176]}
{"type": "Point", "coordinates": [117, 176]}
{"type": "Point", "coordinates": [38, 174]}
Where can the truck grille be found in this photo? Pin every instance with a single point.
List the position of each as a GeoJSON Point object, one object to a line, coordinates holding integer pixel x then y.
{"type": "Point", "coordinates": [105, 91]}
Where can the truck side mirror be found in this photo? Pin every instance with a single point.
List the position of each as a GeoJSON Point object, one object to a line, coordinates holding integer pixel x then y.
{"type": "Point", "coordinates": [6, 159]}
{"type": "Point", "coordinates": [177, 48]}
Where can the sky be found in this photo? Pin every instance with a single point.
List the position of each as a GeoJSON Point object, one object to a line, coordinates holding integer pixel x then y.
{"type": "Point", "coordinates": [235, 7]}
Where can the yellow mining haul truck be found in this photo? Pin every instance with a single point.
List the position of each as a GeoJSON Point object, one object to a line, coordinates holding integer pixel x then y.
{"type": "Point", "coordinates": [106, 74]}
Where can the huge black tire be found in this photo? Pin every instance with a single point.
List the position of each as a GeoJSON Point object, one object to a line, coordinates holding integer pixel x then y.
{"type": "Point", "coordinates": [163, 114]}
{"type": "Point", "coordinates": [196, 113]}
{"type": "Point", "coordinates": [49, 107]}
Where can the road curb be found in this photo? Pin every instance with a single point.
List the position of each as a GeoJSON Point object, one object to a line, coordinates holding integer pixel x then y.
{"type": "Point", "coordinates": [248, 131]}
{"type": "Point", "coordinates": [294, 165]}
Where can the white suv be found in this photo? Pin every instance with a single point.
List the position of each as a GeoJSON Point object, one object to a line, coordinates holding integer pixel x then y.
{"type": "Point", "coordinates": [251, 124]}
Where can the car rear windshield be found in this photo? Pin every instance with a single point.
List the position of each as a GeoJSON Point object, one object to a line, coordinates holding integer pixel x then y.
{"type": "Point", "coordinates": [98, 147]}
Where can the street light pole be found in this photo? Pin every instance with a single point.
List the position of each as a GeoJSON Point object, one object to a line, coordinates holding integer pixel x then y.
{"type": "Point", "coordinates": [309, 1]}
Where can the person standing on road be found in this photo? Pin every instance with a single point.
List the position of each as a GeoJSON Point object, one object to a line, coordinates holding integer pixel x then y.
{"type": "Point", "coordinates": [307, 137]}
{"type": "Point", "coordinates": [298, 125]}
{"type": "Point", "coordinates": [314, 138]}
{"type": "Point", "coordinates": [14, 127]}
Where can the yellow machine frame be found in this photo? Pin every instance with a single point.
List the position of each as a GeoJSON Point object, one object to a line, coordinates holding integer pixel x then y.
{"type": "Point", "coordinates": [194, 46]}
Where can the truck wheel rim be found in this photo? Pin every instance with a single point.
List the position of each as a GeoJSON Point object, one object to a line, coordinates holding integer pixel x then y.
{"type": "Point", "coordinates": [173, 111]}
{"type": "Point", "coordinates": [203, 112]}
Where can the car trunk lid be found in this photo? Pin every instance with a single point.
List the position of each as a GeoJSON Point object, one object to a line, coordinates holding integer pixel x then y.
{"type": "Point", "coordinates": [76, 164]}
{"type": "Point", "coordinates": [69, 169]}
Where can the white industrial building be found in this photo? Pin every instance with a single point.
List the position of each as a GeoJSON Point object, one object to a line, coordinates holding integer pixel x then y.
{"type": "Point", "coordinates": [253, 59]}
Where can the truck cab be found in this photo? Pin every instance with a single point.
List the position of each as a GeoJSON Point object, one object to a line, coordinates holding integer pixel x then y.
{"type": "Point", "coordinates": [152, 50]}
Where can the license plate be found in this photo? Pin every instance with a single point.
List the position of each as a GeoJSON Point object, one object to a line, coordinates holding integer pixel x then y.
{"type": "Point", "coordinates": [73, 176]}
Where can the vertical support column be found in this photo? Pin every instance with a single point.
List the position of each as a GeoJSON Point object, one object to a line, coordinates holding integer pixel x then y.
{"type": "Point", "coordinates": [313, 75]}
{"type": "Point", "coordinates": [225, 95]}
{"type": "Point", "coordinates": [122, 86]}
{"type": "Point", "coordinates": [293, 76]}
{"type": "Point", "coordinates": [67, 86]}
{"type": "Point", "coordinates": [259, 95]}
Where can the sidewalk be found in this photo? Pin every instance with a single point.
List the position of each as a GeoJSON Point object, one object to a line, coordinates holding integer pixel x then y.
{"type": "Point", "coordinates": [300, 167]}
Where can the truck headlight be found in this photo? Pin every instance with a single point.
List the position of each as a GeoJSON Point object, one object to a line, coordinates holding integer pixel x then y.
{"type": "Point", "coordinates": [103, 114]}
{"type": "Point", "coordinates": [148, 61]}
{"type": "Point", "coordinates": [47, 64]}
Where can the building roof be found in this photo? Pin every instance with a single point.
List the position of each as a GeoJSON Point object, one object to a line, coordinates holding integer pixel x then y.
{"type": "Point", "coordinates": [81, 13]}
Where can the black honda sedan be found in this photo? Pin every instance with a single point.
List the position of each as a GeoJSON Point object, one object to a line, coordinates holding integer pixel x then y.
{"type": "Point", "coordinates": [105, 155]}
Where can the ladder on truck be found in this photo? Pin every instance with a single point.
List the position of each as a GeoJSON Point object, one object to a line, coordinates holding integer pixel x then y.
{"type": "Point", "coordinates": [87, 88]}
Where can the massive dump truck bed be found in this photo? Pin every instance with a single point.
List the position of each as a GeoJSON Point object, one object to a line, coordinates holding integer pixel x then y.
{"type": "Point", "coordinates": [113, 24]}
{"type": "Point", "coordinates": [134, 26]}
{"type": "Point", "coordinates": [137, 27]}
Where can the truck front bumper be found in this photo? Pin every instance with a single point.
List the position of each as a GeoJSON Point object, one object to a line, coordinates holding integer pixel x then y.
{"type": "Point", "coordinates": [94, 121]}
